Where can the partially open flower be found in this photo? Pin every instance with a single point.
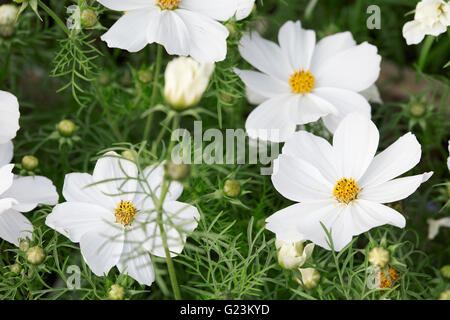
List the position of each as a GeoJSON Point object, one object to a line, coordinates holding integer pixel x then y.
{"type": "Point", "coordinates": [292, 255]}
{"type": "Point", "coordinates": [389, 280]}
{"type": "Point", "coordinates": [432, 18]}
{"type": "Point", "coordinates": [185, 82]}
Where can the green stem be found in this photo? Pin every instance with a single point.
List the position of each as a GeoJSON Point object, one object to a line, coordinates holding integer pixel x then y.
{"type": "Point", "coordinates": [154, 93]}
{"type": "Point", "coordinates": [336, 261]}
{"type": "Point", "coordinates": [52, 14]}
{"type": "Point", "coordinates": [424, 52]}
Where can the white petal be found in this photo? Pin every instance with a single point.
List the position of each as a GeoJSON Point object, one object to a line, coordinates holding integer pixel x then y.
{"type": "Point", "coordinates": [135, 260]}
{"type": "Point", "coordinates": [6, 204]}
{"type": "Point", "coordinates": [382, 213]}
{"type": "Point", "coordinates": [74, 219]}
{"type": "Point", "coordinates": [130, 31]}
{"type": "Point", "coordinates": [31, 191]}
{"type": "Point", "coordinates": [355, 143]}
{"type": "Point", "coordinates": [272, 120]}
{"type": "Point", "coordinates": [346, 102]}
{"type": "Point", "coordinates": [330, 46]}
{"type": "Point", "coordinates": [354, 69]}
{"type": "Point", "coordinates": [315, 150]}
{"type": "Point", "coordinates": [116, 177]}
{"type": "Point", "coordinates": [393, 190]}
{"type": "Point", "coordinates": [121, 5]}
{"type": "Point", "coordinates": [413, 32]}
{"type": "Point", "coordinates": [179, 220]}
{"type": "Point", "coordinates": [298, 44]}
{"type": "Point", "coordinates": [102, 248]}
{"type": "Point", "coordinates": [245, 8]}
{"type": "Point", "coordinates": [221, 10]}
{"type": "Point", "coordinates": [263, 84]}
{"type": "Point", "coordinates": [14, 226]}
{"type": "Point", "coordinates": [254, 97]}
{"type": "Point", "coordinates": [207, 37]}
{"type": "Point", "coordinates": [311, 108]}
{"type": "Point", "coordinates": [300, 181]}
{"type": "Point", "coordinates": [6, 153]}
{"type": "Point", "coordinates": [171, 32]}
{"type": "Point", "coordinates": [6, 177]}
{"type": "Point", "coordinates": [301, 221]}
{"type": "Point", "coordinates": [435, 225]}
{"type": "Point", "coordinates": [372, 94]}
{"type": "Point", "coordinates": [398, 158]}
{"type": "Point", "coordinates": [80, 187]}
{"type": "Point", "coordinates": [265, 56]}
{"type": "Point", "coordinates": [9, 116]}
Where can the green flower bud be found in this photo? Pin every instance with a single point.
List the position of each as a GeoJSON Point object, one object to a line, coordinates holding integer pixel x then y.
{"type": "Point", "coordinates": [128, 154]}
{"type": "Point", "coordinates": [417, 109]}
{"type": "Point", "coordinates": [30, 162]}
{"type": "Point", "coordinates": [15, 268]}
{"type": "Point", "coordinates": [445, 295]}
{"type": "Point", "coordinates": [66, 128]}
{"type": "Point", "coordinates": [445, 271]}
{"type": "Point", "coordinates": [177, 171]}
{"type": "Point", "coordinates": [379, 257]}
{"type": "Point", "coordinates": [35, 255]}
{"type": "Point", "coordinates": [232, 188]}
{"type": "Point", "coordinates": [145, 76]}
{"type": "Point", "coordinates": [88, 18]}
{"type": "Point", "coordinates": [116, 292]}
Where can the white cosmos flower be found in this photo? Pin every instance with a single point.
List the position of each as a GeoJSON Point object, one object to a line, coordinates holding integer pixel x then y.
{"type": "Point", "coordinates": [183, 27]}
{"type": "Point", "coordinates": [432, 17]}
{"type": "Point", "coordinates": [435, 225]}
{"type": "Point", "coordinates": [304, 81]}
{"type": "Point", "coordinates": [9, 116]}
{"type": "Point", "coordinates": [344, 186]}
{"type": "Point", "coordinates": [20, 194]}
{"type": "Point", "coordinates": [185, 81]}
{"type": "Point", "coordinates": [112, 217]}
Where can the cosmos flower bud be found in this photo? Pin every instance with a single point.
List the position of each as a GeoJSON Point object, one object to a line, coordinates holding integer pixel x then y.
{"type": "Point", "coordinates": [116, 292]}
{"type": "Point", "coordinates": [30, 162]}
{"type": "Point", "coordinates": [185, 82]}
{"type": "Point", "coordinates": [8, 16]}
{"type": "Point", "coordinates": [417, 110]}
{"type": "Point", "coordinates": [145, 76]}
{"type": "Point", "coordinates": [128, 154]}
{"type": "Point", "coordinates": [445, 295]}
{"type": "Point", "coordinates": [445, 271]}
{"type": "Point", "coordinates": [232, 188]}
{"type": "Point", "coordinates": [292, 255]}
{"type": "Point", "coordinates": [66, 128]}
{"type": "Point", "coordinates": [379, 257]}
{"type": "Point", "coordinates": [15, 268]}
{"type": "Point", "coordinates": [310, 277]}
{"type": "Point", "coordinates": [177, 171]}
{"type": "Point", "coordinates": [24, 245]}
{"type": "Point", "coordinates": [35, 255]}
{"type": "Point", "coordinates": [88, 18]}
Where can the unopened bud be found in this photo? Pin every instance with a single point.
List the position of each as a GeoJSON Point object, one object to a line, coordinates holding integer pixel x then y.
{"type": "Point", "coordinates": [88, 18]}
{"type": "Point", "coordinates": [232, 188]}
{"type": "Point", "coordinates": [445, 295]}
{"type": "Point", "coordinates": [15, 268]}
{"type": "Point", "coordinates": [145, 76]}
{"type": "Point", "coordinates": [310, 277]}
{"type": "Point", "coordinates": [24, 245]}
{"type": "Point", "coordinates": [35, 255]}
{"type": "Point", "coordinates": [379, 257]}
{"type": "Point", "coordinates": [445, 271]}
{"type": "Point", "coordinates": [128, 154]}
{"type": "Point", "coordinates": [30, 162]}
{"type": "Point", "coordinates": [66, 128]}
{"type": "Point", "coordinates": [417, 109]}
{"type": "Point", "coordinates": [177, 171]}
{"type": "Point", "coordinates": [116, 292]}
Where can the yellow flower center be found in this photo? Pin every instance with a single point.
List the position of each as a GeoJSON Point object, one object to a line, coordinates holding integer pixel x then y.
{"type": "Point", "coordinates": [125, 212]}
{"type": "Point", "coordinates": [302, 82]}
{"type": "Point", "coordinates": [168, 4]}
{"type": "Point", "coordinates": [346, 190]}
{"type": "Point", "coordinates": [386, 281]}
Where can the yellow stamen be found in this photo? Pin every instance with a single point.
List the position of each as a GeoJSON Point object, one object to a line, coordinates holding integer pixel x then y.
{"type": "Point", "coordinates": [302, 82]}
{"type": "Point", "coordinates": [168, 4]}
{"type": "Point", "coordinates": [346, 190]}
{"type": "Point", "coordinates": [389, 280]}
{"type": "Point", "coordinates": [125, 212]}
